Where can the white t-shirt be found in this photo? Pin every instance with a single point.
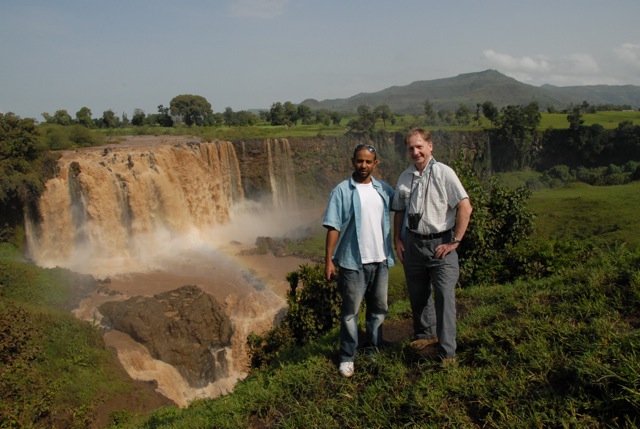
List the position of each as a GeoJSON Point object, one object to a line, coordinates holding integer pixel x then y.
{"type": "Point", "coordinates": [371, 223]}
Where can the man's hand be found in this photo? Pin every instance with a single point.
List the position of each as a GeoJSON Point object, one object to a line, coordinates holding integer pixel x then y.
{"type": "Point", "coordinates": [331, 241]}
{"type": "Point", "coordinates": [329, 270]}
{"type": "Point", "coordinates": [400, 250]}
{"type": "Point", "coordinates": [444, 249]}
{"type": "Point", "coordinates": [398, 219]}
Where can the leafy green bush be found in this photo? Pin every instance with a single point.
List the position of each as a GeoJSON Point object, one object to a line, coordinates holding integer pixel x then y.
{"type": "Point", "coordinates": [500, 220]}
{"type": "Point", "coordinates": [20, 349]}
{"type": "Point", "coordinates": [58, 137]}
{"type": "Point", "coordinates": [21, 177]}
{"type": "Point", "coordinates": [313, 303]}
{"type": "Point", "coordinates": [558, 176]}
{"type": "Point", "coordinates": [264, 350]}
{"type": "Point", "coordinates": [537, 258]}
{"type": "Point", "coordinates": [313, 308]}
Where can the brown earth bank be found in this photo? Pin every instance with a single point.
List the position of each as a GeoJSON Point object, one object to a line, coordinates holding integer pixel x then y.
{"type": "Point", "coordinates": [141, 398]}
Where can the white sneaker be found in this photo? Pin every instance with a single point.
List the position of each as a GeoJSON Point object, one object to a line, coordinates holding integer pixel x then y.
{"type": "Point", "coordinates": [346, 369]}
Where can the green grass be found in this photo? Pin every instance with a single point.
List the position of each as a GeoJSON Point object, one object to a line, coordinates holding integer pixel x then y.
{"type": "Point", "coordinates": [54, 368]}
{"type": "Point", "coordinates": [557, 352]}
{"type": "Point", "coordinates": [259, 131]}
{"type": "Point", "coordinates": [589, 213]}
{"type": "Point", "coordinates": [611, 119]}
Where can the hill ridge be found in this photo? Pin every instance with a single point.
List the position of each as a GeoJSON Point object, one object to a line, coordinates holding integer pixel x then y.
{"type": "Point", "coordinates": [476, 88]}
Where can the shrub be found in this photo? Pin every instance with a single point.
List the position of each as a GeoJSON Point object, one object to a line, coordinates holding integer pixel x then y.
{"type": "Point", "coordinates": [560, 172]}
{"type": "Point", "coordinates": [314, 303]}
{"type": "Point", "coordinates": [536, 259]}
{"type": "Point", "coordinates": [264, 350]}
{"type": "Point", "coordinates": [20, 339]}
{"type": "Point", "coordinates": [313, 309]}
{"type": "Point", "coordinates": [500, 220]}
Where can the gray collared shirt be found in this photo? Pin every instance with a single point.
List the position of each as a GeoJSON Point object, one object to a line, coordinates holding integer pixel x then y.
{"type": "Point", "coordinates": [435, 192]}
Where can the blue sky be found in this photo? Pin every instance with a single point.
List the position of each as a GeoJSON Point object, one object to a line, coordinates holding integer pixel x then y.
{"type": "Point", "coordinates": [246, 54]}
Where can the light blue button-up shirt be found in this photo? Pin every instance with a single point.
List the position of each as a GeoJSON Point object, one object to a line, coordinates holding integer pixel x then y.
{"type": "Point", "coordinates": [343, 214]}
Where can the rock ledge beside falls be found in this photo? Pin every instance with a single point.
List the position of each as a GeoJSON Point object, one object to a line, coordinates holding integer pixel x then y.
{"type": "Point", "coordinates": [186, 328]}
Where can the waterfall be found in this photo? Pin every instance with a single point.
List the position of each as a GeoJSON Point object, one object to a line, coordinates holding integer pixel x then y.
{"type": "Point", "coordinates": [281, 175]}
{"type": "Point", "coordinates": [104, 205]}
{"type": "Point", "coordinates": [153, 214]}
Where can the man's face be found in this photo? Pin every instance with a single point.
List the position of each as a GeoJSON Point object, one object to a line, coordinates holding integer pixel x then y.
{"type": "Point", "coordinates": [363, 164]}
{"type": "Point", "coordinates": [419, 150]}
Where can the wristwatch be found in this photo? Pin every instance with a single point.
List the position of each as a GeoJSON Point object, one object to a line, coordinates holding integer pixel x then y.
{"type": "Point", "coordinates": [455, 240]}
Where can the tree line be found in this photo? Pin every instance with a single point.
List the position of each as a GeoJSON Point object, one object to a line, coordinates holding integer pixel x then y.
{"type": "Point", "coordinates": [195, 110]}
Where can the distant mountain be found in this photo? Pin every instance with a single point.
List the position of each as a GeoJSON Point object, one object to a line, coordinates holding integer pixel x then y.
{"type": "Point", "coordinates": [596, 94]}
{"type": "Point", "coordinates": [473, 88]}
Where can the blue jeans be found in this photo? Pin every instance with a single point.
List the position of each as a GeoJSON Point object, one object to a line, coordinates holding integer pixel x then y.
{"type": "Point", "coordinates": [370, 283]}
{"type": "Point", "coordinates": [425, 274]}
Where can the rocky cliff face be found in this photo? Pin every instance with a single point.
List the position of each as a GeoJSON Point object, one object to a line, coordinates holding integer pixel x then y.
{"type": "Point", "coordinates": [320, 163]}
{"type": "Point", "coordinates": [185, 328]}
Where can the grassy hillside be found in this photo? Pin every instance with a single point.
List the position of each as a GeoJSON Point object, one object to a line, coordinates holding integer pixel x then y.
{"type": "Point", "coordinates": [558, 352]}
{"type": "Point", "coordinates": [54, 369]}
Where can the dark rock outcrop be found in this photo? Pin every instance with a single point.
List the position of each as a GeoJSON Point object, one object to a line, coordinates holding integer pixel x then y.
{"type": "Point", "coordinates": [186, 328]}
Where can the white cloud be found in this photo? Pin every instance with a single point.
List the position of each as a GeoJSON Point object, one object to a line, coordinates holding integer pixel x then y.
{"type": "Point", "coordinates": [629, 53]}
{"type": "Point", "coordinates": [506, 62]}
{"type": "Point", "coordinates": [580, 64]}
{"type": "Point", "coordinates": [257, 8]}
{"type": "Point", "coordinates": [575, 69]}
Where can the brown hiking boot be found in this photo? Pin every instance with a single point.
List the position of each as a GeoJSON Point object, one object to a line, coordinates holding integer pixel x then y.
{"type": "Point", "coordinates": [421, 344]}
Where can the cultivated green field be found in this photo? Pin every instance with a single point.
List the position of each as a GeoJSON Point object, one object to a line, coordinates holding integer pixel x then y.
{"type": "Point", "coordinates": [606, 119]}
{"type": "Point", "coordinates": [262, 131]}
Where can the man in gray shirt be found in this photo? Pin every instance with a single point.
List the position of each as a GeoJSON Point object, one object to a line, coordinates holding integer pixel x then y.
{"type": "Point", "coordinates": [432, 214]}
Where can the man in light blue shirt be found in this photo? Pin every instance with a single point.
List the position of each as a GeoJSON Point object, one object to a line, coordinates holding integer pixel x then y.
{"type": "Point", "coordinates": [359, 243]}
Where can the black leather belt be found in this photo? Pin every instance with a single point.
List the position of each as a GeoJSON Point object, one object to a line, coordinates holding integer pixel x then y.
{"type": "Point", "coordinates": [430, 236]}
